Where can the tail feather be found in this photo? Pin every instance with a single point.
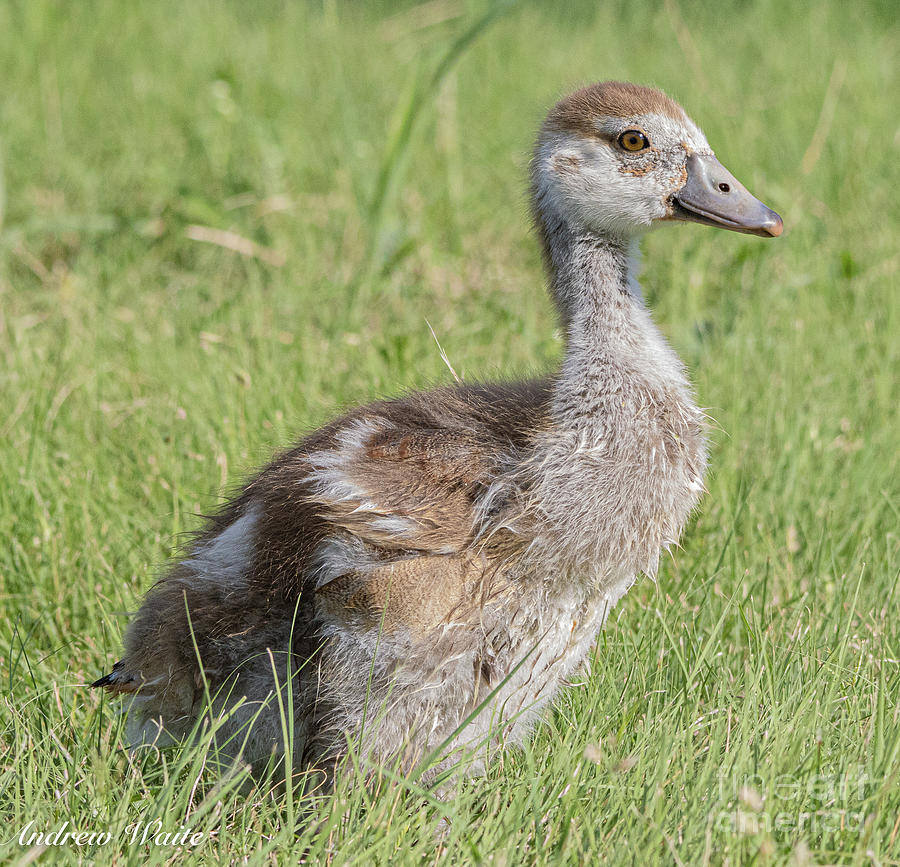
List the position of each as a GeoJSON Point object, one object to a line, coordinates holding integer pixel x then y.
{"type": "Point", "coordinates": [118, 680]}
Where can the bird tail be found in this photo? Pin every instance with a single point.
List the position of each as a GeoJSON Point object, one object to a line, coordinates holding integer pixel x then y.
{"type": "Point", "coordinates": [118, 680]}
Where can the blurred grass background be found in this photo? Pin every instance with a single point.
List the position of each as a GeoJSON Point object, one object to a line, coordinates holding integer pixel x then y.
{"type": "Point", "coordinates": [222, 222]}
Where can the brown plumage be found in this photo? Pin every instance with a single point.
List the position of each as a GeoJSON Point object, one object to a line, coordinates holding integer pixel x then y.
{"type": "Point", "coordinates": [421, 558]}
{"type": "Point", "coordinates": [579, 110]}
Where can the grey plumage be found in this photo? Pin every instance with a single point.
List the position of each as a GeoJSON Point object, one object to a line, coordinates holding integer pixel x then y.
{"type": "Point", "coordinates": [415, 556]}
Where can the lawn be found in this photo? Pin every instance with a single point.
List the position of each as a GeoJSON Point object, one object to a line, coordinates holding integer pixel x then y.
{"type": "Point", "coordinates": [220, 223]}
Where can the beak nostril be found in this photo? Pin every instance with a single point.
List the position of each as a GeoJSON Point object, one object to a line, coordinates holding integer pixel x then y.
{"type": "Point", "coordinates": [724, 188]}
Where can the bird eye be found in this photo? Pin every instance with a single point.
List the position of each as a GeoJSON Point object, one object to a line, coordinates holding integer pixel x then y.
{"type": "Point", "coordinates": [633, 140]}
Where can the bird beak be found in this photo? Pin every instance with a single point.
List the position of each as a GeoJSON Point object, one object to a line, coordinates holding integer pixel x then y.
{"type": "Point", "coordinates": [713, 196]}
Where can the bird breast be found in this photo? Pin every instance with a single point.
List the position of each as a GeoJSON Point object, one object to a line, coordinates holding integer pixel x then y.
{"type": "Point", "coordinates": [611, 495]}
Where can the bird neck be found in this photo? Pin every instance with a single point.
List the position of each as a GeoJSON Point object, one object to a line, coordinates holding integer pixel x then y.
{"type": "Point", "coordinates": [614, 351]}
{"type": "Point", "coordinates": [593, 277]}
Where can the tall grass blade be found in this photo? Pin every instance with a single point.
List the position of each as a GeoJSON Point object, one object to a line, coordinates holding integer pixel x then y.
{"type": "Point", "coordinates": [409, 112]}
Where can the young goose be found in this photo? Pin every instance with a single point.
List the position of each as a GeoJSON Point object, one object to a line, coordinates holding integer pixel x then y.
{"type": "Point", "coordinates": [419, 558]}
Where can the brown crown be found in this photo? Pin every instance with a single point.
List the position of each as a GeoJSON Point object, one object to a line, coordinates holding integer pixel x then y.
{"type": "Point", "coordinates": [579, 111]}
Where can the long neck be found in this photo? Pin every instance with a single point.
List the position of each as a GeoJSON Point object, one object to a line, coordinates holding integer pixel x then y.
{"type": "Point", "coordinates": [613, 349]}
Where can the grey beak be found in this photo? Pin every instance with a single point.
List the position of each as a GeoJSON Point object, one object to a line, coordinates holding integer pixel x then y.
{"type": "Point", "coordinates": [713, 196]}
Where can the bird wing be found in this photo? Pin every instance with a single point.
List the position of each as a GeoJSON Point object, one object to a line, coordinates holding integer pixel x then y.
{"type": "Point", "coordinates": [407, 489]}
{"type": "Point", "coordinates": [395, 479]}
{"type": "Point", "coordinates": [414, 594]}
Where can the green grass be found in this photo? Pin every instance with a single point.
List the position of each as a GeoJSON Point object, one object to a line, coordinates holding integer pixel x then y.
{"type": "Point", "coordinates": [377, 157]}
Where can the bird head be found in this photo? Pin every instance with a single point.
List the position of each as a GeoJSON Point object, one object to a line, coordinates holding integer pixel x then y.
{"type": "Point", "coordinates": [613, 159]}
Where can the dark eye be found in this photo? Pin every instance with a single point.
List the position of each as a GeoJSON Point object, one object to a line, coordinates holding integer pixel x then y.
{"type": "Point", "coordinates": [633, 140]}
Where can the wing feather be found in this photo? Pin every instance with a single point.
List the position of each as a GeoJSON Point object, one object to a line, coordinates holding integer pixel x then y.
{"type": "Point", "coordinates": [402, 489]}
